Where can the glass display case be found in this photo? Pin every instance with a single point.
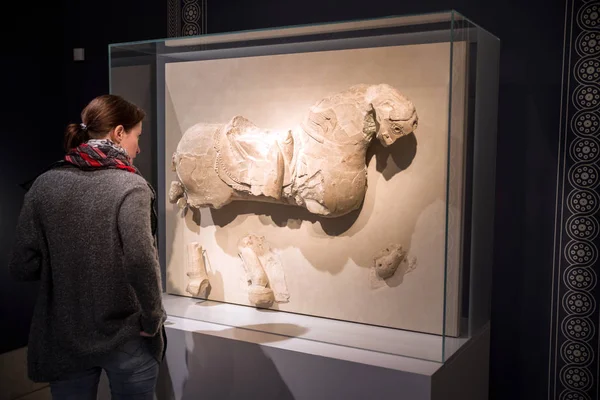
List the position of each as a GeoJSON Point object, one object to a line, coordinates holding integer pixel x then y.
{"type": "Point", "coordinates": [328, 182]}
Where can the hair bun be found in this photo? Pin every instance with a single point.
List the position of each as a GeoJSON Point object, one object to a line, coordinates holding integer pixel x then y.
{"type": "Point", "coordinates": [75, 134]}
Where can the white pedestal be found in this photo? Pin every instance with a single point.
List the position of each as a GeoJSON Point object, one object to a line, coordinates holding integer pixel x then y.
{"type": "Point", "coordinates": [206, 360]}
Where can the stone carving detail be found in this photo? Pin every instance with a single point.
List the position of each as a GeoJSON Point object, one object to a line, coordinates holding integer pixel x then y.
{"type": "Point", "coordinates": [176, 194]}
{"type": "Point", "coordinates": [198, 284]}
{"type": "Point", "coordinates": [264, 272]}
{"type": "Point", "coordinates": [319, 165]}
{"type": "Point", "coordinates": [389, 260]}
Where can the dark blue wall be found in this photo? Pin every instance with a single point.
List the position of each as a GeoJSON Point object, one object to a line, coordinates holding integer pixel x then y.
{"type": "Point", "coordinates": [96, 24]}
{"type": "Point", "coordinates": [46, 90]}
{"type": "Point", "coordinates": [32, 102]}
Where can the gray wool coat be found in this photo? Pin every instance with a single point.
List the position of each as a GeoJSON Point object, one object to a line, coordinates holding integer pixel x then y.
{"type": "Point", "coordinates": [87, 237]}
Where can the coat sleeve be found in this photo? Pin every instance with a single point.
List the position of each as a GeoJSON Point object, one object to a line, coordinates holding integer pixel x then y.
{"type": "Point", "coordinates": [141, 257]}
{"type": "Point", "coordinates": [26, 259]}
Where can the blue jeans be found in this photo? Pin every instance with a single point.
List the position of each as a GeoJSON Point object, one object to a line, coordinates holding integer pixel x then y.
{"type": "Point", "coordinates": [131, 370]}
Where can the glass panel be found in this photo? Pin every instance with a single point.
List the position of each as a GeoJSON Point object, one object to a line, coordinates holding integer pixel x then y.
{"type": "Point", "coordinates": [471, 184]}
{"type": "Point", "coordinates": [415, 23]}
{"type": "Point", "coordinates": [390, 269]}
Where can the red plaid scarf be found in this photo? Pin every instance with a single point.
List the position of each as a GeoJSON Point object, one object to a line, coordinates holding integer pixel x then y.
{"type": "Point", "coordinates": [99, 155]}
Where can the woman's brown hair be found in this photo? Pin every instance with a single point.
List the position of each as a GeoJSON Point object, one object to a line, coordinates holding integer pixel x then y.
{"type": "Point", "coordinates": [100, 116]}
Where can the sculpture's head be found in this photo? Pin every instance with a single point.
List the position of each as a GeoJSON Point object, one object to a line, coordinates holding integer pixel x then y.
{"type": "Point", "coordinates": [395, 115]}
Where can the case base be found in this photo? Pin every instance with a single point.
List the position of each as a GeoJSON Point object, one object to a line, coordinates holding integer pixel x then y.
{"type": "Point", "coordinates": [301, 330]}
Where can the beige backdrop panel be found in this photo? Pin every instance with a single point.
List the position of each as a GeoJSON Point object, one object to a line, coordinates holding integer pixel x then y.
{"type": "Point", "coordinates": [326, 262]}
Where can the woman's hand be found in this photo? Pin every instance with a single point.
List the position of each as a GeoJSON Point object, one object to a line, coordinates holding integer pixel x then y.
{"type": "Point", "coordinates": [144, 334]}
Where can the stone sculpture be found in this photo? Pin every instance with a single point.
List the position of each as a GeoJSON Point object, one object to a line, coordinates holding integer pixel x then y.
{"type": "Point", "coordinates": [198, 285]}
{"type": "Point", "coordinates": [264, 272]}
{"type": "Point", "coordinates": [388, 261]}
{"type": "Point", "coordinates": [319, 165]}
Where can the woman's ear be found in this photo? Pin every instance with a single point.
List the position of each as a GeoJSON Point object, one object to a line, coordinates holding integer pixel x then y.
{"type": "Point", "coordinates": [117, 134]}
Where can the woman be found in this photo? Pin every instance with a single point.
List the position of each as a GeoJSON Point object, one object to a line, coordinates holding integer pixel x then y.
{"type": "Point", "coordinates": [86, 232]}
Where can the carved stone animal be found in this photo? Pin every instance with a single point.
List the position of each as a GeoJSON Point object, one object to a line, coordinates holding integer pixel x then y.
{"type": "Point", "coordinates": [320, 165]}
